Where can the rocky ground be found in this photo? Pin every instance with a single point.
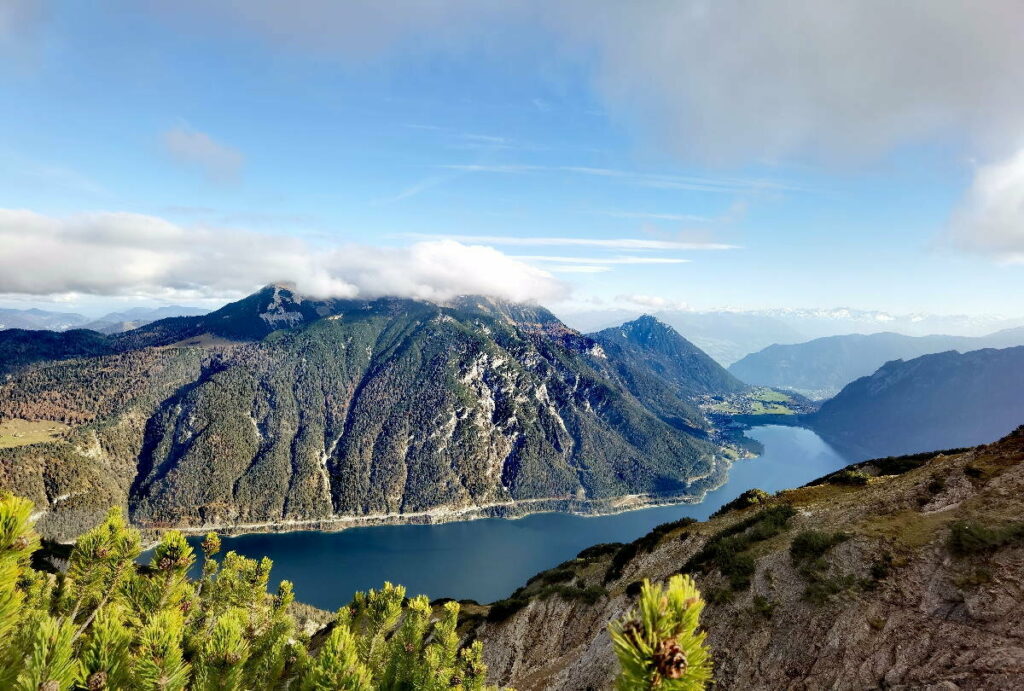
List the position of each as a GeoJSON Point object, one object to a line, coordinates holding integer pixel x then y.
{"type": "Point", "coordinates": [897, 573]}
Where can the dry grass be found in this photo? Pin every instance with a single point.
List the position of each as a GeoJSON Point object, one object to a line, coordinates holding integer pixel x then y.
{"type": "Point", "coordinates": [911, 529]}
{"type": "Point", "coordinates": [817, 494]}
{"type": "Point", "coordinates": [18, 432]}
{"type": "Point", "coordinates": [203, 341]}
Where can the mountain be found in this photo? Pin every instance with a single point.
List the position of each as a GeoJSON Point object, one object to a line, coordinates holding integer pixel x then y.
{"type": "Point", "coordinates": [116, 322]}
{"type": "Point", "coordinates": [40, 319]}
{"type": "Point", "coordinates": [647, 347]}
{"type": "Point", "coordinates": [820, 368]}
{"type": "Point", "coordinates": [725, 336]}
{"type": "Point", "coordinates": [281, 408]}
{"type": "Point", "coordinates": [898, 573]}
{"type": "Point", "coordinates": [728, 336]}
{"type": "Point", "coordinates": [935, 401]}
{"type": "Point", "coordinates": [20, 347]}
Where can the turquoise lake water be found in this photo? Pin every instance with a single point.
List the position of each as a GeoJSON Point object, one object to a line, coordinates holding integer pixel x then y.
{"type": "Point", "coordinates": [485, 560]}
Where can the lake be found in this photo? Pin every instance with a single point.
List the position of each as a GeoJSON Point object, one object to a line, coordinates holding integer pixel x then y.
{"type": "Point", "coordinates": [485, 560]}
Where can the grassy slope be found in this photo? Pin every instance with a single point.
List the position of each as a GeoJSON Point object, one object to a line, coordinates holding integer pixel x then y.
{"type": "Point", "coordinates": [877, 596]}
{"type": "Point", "coordinates": [18, 432]}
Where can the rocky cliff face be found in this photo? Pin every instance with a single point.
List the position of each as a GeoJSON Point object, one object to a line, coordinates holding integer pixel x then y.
{"type": "Point", "coordinates": [282, 409]}
{"type": "Point", "coordinates": [902, 573]}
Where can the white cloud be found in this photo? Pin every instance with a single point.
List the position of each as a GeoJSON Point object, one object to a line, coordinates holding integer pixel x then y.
{"type": "Point", "coordinates": [217, 161]}
{"type": "Point", "coordinates": [652, 302]}
{"type": "Point", "coordinates": [440, 270]}
{"type": "Point", "coordinates": [614, 243]}
{"type": "Point", "coordinates": [579, 269]}
{"type": "Point", "coordinates": [733, 80]}
{"type": "Point", "coordinates": [991, 217]}
{"type": "Point", "coordinates": [712, 79]}
{"type": "Point", "coordinates": [602, 260]}
{"type": "Point", "coordinates": [120, 254]}
{"type": "Point", "coordinates": [671, 182]}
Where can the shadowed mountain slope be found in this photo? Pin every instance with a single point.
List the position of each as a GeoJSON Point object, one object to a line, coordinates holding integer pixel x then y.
{"type": "Point", "coordinates": [820, 368]}
{"type": "Point", "coordinates": [932, 402]}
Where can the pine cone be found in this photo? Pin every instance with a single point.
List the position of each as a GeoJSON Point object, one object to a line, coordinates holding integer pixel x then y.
{"type": "Point", "coordinates": [97, 681]}
{"type": "Point", "coordinates": [51, 685]}
{"type": "Point", "coordinates": [669, 659]}
{"type": "Point", "coordinates": [633, 631]}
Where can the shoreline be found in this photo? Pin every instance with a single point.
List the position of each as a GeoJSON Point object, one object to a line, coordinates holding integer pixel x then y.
{"type": "Point", "coordinates": [509, 510]}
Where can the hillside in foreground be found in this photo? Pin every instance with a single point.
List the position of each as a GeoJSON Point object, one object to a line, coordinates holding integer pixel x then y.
{"type": "Point", "coordinates": [894, 573]}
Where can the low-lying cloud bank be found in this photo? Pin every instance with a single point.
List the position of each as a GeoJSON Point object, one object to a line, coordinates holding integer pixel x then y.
{"type": "Point", "coordinates": [126, 254]}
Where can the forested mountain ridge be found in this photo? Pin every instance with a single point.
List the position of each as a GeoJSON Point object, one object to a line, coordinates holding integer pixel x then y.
{"type": "Point", "coordinates": [279, 408]}
{"type": "Point", "coordinates": [934, 401]}
{"type": "Point", "coordinates": [821, 367]}
{"type": "Point", "coordinates": [649, 343]}
{"type": "Point", "coordinates": [22, 347]}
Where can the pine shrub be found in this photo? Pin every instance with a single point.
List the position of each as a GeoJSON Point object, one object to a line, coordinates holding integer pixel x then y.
{"type": "Point", "coordinates": [108, 623]}
{"type": "Point", "coordinates": [658, 643]}
{"type": "Point", "coordinates": [969, 538]}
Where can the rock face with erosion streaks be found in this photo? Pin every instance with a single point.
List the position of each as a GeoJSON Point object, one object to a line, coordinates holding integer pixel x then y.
{"type": "Point", "coordinates": [280, 411]}
{"type": "Point", "coordinates": [898, 573]}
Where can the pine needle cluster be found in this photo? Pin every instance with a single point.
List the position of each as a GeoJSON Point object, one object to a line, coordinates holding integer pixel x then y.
{"type": "Point", "coordinates": [658, 643]}
{"type": "Point", "coordinates": [109, 623]}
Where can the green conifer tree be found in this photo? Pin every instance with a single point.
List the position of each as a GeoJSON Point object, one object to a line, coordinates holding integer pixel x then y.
{"type": "Point", "coordinates": [111, 624]}
{"type": "Point", "coordinates": [658, 643]}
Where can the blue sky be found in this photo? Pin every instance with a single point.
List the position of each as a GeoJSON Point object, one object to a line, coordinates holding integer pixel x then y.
{"type": "Point", "coordinates": [362, 131]}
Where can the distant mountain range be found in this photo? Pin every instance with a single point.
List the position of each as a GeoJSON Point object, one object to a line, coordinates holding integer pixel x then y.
{"type": "Point", "coordinates": [115, 322]}
{"type": "Point", "coordinates": [820, 368]}
{"type": "Point", "coordinates": [280, 408]}
{"type": "Point", "coordinates": [39, 319]}
{"type": "Point", "coordinates": [725, 336]}
{"type": "Point", "coordinates": [936, 401]}
{"type": "Point", "coordinates": [729, 335]}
